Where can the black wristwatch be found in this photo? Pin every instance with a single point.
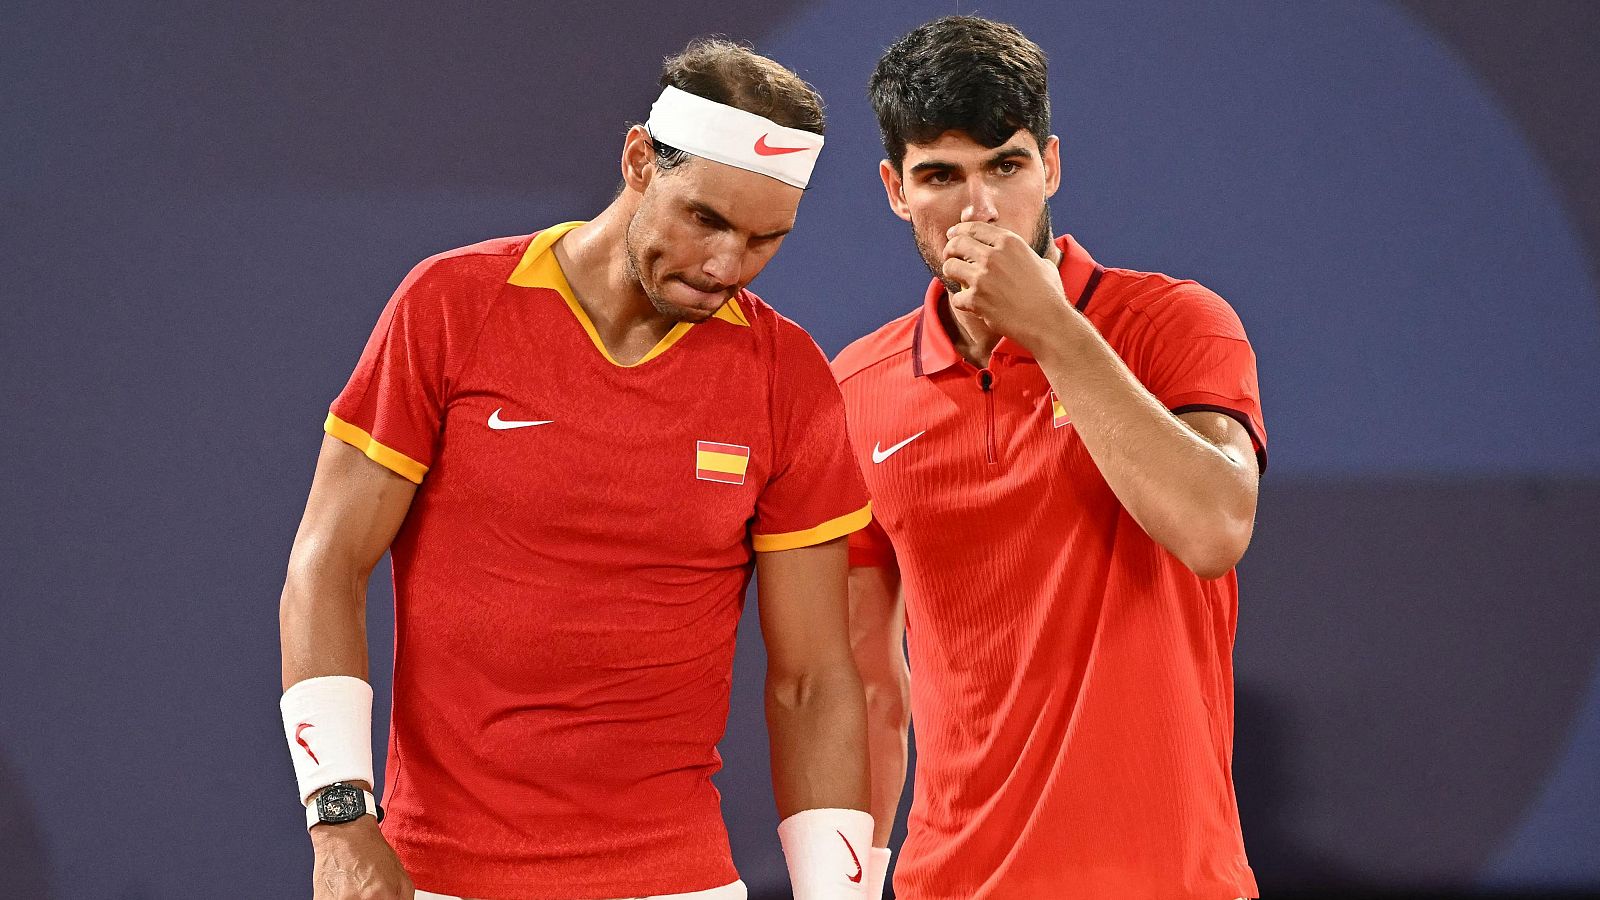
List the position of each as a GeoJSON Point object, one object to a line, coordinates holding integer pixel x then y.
{"type": "Point", "coordinates": [339, 803]}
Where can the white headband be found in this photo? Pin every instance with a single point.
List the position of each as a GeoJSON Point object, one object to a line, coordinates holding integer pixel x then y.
{"type": "Point", "coordinates": [733, 137]}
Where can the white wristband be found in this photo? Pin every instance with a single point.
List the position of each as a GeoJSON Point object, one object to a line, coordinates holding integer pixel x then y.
{"type": "Point", "coordinates": [877, 871]}
{"type": "Point", "coordinates": [826, 850]}
{"type": "Point", "coordinates": [328, 723]}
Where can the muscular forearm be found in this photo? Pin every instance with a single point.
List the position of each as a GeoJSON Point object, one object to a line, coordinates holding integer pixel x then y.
{"type": "Point", "coordinates": [1194, 498]}
{"type": "Point", "coordinates": [817, 725]}
{"type": "Point", "coordinates": [322, 622]}
{"type": "Point", "coordinates": [888, 720]}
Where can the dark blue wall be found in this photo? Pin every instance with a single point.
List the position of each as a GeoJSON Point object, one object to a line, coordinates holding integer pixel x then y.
{"type": "Point", "coordinates": [205, 208]}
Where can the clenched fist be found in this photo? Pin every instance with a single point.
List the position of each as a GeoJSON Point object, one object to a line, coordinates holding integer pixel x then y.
{"type": "Point", "coordinates": [1015, 291]}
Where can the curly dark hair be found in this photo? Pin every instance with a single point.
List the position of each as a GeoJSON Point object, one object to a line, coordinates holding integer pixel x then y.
{"type": "Point", "coordinates": [735, 75]}
{"type": "Point", "coordinates": [960, 73]}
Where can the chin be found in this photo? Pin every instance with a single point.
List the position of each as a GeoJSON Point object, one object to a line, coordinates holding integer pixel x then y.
{"type": "Point", "coordinates": [679, 312]}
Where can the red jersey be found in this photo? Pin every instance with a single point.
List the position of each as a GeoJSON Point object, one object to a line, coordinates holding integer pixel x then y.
{"type": "Point", "coordinates": [1071, 680]}
{"type": "Point", "coordinates": [571, 572]}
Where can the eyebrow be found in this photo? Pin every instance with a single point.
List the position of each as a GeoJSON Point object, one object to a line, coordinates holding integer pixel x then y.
{"type": "Point", "coordinates": [721, 221]}
{"type": "Point", "coordinates": [1004, 154]}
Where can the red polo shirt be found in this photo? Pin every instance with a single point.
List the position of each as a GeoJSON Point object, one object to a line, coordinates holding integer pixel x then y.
{"type": "Point", "coordinates": [1072, 681]}
{"type": "Point", "coordinates": [570, 575]}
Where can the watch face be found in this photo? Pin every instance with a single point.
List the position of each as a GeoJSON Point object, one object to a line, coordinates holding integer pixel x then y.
{"type": "Point", "coordinates": [340, 803]}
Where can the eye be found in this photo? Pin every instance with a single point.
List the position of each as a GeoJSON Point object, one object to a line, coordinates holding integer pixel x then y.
{"type": "Point", "coordinates": [701, 220]}
{"type": "Point", "coordinates": [1008, 167]}
{"type": "Point", "coordinates": [938, 178]}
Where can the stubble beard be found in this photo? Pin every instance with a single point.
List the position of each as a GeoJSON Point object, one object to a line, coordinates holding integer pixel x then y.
{"type": "Point", "coordinates": [661, 304]}
{"type": "Point", "coordinates": [1042, 239]}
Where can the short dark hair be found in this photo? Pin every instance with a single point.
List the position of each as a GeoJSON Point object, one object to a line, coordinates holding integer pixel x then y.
{"type": "Point", "coordinates": [736, 75]}
{"type": "Point", "coordinates": [960, 73]}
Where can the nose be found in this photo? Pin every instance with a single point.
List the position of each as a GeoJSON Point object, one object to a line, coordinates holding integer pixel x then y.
{"type": "Point", "coordinates": [726, 261]}
{"type": "Point", "coordinates": [980, 202]}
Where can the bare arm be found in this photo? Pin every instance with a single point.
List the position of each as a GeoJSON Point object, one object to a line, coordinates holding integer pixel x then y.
{"type": "Point", "coordinates": [355, 509]}
{"type": "Point", "coordinates": [1190, 481]}
{"type": "Point", "coordinates": [877, 632]}
{"type": "Point", "coordinates": [815, 708]}
{"type": "Point", "coordinates": [1190, 484]}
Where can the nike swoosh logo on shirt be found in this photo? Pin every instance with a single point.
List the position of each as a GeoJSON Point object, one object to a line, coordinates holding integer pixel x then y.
{"type": "Point", "coordinates": [499, 424]}
{"type": "Point", "coordinates": [879, 456]}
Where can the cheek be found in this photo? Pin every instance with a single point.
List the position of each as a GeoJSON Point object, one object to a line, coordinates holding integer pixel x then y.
{"type": "Point", "coordinates": [757, 258]}
{"type": "Point", "coordinates": [930, 226]}
{"type": "Point", "coordinates": [1021, 203]}
{"type": "Point", "coordinates": [934, 215]}
{"type": "Point", "coordinates": [682, 247]}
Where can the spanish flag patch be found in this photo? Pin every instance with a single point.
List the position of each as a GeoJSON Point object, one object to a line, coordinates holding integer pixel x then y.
{"type": "Point", "coordinates": [1057, 411]}
{"type": "Point", "coordinates": [720, 462]}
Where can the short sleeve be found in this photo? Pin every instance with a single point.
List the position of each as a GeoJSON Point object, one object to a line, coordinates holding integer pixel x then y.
{"type": "Point", "coordinates": [815, 493]}
{"type": "Point", "coordinates": [391, 409]}
{"type": "Point", "coordinates": [870, 548]}
{"type": "Point", "coordinates": [1197, 358]}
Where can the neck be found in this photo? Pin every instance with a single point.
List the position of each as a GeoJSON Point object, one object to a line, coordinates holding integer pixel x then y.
{"type": "Point", "coordinates": [594, 258]}
{"type": "Point", "coordinates": [972, 337]}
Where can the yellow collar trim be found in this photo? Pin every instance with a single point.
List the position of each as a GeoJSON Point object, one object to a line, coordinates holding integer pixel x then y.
{"type": "Point", "coordinates": [539, 268]}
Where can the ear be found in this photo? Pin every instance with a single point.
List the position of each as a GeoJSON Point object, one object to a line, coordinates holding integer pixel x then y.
{"type": "Point", "coordinates": [638, 159]}
{"type": "Point", "coordinates": [894, 186]}
{"type": "Point", "coordinates": [1051, 156]}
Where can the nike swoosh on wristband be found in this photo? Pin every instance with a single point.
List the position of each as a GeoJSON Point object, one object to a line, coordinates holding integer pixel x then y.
{"type": "Point", "coordinates": [879, 456]}
{"type": "Point", "coordinates": [499, 424]}
{"type": "Point", "coordinates": [765, 149]}
{"type": "Point", "coordinates": [302, 741]}
{"type": "Point", "coordinates": [853, 857]}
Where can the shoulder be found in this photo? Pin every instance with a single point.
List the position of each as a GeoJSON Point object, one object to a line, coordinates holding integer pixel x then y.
{"type": "Point", "coordinates": [485, 261]}
{"type": "Point", "coordinates": [788, 342]}
{"type": "Point", "coordinates": [879, 347]}
{"type": "Point", "coordinates": [457, 288]}
{"type": "Point", "coordinates": [1171, 306]}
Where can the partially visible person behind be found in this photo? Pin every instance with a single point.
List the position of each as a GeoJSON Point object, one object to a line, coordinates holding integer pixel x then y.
{"type": "Point", "coordinates": [577, 445]}
{"type": "Point", "coordinates": [1064, 461]}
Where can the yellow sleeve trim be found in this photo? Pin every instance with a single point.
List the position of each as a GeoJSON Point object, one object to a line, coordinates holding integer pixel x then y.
{"type": "Point", "coordinates": [827, 531]}
{"type": "Point", "coordinates": [393, 460]}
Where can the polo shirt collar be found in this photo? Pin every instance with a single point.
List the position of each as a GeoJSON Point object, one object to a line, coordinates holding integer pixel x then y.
{"type": "Point", "coordinates": [932, 350]}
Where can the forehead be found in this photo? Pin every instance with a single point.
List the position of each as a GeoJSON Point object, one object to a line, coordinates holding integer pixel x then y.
{"type": "Point", "coordinates": [959, 148]}
{"type": "Point", "coordinates": [748, 200]}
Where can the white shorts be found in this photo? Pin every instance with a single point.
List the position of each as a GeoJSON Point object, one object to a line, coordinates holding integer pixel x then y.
{"type": "Point", "coordinates": [735, 891]}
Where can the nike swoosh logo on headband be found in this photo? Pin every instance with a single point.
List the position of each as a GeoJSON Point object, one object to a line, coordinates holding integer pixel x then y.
{"type": "Point", "coordinates": [765, 149]}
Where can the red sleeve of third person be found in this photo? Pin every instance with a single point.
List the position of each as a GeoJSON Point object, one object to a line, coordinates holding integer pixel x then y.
{"type": "Point", "coordinates": [816, 493]}
{"type": "Point", "coordinates": [870, 547]}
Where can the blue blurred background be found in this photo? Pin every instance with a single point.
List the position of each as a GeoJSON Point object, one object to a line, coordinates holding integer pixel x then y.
{"type": "Point", "coordinates": [206, 207]}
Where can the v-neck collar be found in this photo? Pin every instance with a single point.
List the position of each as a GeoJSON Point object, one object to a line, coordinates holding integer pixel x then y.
{"type": "Point", "coordinates": [539, 268]}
